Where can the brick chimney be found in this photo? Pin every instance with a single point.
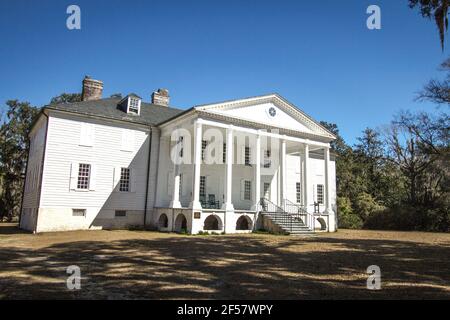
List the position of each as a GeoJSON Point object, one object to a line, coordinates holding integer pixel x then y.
{"type": "Point", "coordinates": [161, 97]}
{"type": "Point", "coordinates": [92, 89]}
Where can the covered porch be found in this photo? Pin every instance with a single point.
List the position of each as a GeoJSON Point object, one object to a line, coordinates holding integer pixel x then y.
{"type": "Point", "coordinates": [224, 170]}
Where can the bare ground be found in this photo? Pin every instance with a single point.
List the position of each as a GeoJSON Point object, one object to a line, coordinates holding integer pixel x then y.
{"type": "Point", "coordinates": [151, 265]}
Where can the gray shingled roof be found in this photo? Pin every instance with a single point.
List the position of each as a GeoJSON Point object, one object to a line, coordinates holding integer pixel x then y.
{"type": "Point", "coordinates": [151, 114]}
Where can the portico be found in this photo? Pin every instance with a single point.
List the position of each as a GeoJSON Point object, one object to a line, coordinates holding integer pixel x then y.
{"type": "Point", "coordinates": [229, 169]}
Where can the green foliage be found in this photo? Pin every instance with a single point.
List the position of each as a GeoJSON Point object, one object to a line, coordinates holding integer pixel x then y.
{"type": "Point", "coordinates": [347, 219]}
{"type": "Point", "coordinates": [397, 178]}
{"type": "Point", "coordinates": [350, 221]}
{"type": "Point", "coordinates": [14, 146]}
{"type": "Point", "coordinates": [436, 9]}
{"type": "Point", "coordinates": [66, 98]}
{"type": "Point", "coordinates": [365, 205]}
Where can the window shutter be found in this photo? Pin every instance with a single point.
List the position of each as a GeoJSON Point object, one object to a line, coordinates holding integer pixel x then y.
{"type": "Point", "coordinates": [132, 180]}
{"type": "Point", "coordinates": [92, 177]}
{"type": "Point", "coordinates": [116, 179]}
{"type": "Point", "coordinates": [314, 192]}
{"type": "Point", "coordinates": [242, 189]}
{"type": "Point", "coordinates": [73, 175]}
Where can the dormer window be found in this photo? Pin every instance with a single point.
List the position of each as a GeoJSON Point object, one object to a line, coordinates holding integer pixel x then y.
{"type": "Point", "coordinates": [134, 105]}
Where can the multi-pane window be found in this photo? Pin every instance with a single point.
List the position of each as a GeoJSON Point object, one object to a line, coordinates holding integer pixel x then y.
{"type": "Point", "coordinates": [267, 161]}
{"type": "Point", "coordinates": [320, 193]}
{"type": "Point", "coordinates": [247, 190]}
{"type": "Point", "coordinates": [84, 172]}
{"type": "Point", "coordinates": [180, 146]}
{"type": "Point", "coordinates": [247, 156]}
{"type": "Point", "coordinates": [204, 144]}
{"type": "Point", "coordinates": [298, 194]}
{"type": "Point", "coordinates": [120, 213]}
{"type": "Point", "coordinates": [134, 106]}
{"type": "Point", "coordinates": [202, 186]}
{"type": "Point", "coordinates": [79, 212]}
{"type": "Point", "coordinates": [266, 189]}
{"type": "Point", "coordinates": [124, 183]}
{"type": "Point", "coordinates": [224, 153]}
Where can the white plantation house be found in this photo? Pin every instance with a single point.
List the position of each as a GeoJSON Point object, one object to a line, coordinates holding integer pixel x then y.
{"type": "Point", "coordinates": [234, 166]}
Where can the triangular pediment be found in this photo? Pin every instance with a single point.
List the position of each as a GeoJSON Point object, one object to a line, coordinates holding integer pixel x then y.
{"type": "Point", "coordinates": [271, 110]}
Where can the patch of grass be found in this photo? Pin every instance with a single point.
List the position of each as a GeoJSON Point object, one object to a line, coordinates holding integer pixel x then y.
{"type": "Point", "coordinates": [208, 233]}
{"type": "Point", "coordinates": [122, 264]}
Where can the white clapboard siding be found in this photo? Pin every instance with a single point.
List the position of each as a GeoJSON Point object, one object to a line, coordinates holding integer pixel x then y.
{"type": "Point", "coordinates": [64, 149]}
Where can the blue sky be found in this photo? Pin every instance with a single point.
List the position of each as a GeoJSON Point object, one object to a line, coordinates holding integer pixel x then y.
{"type": "Point", "coordinates": [317, 54]}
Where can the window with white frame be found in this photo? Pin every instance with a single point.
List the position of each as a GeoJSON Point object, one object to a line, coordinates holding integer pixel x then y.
{"type": "Point", "coordinates": [224, 153]}
{"type": "Point", "coordinates": [204, 144]}
{"type": "Point", "coordinates": [247, 156]}
{"type": "Point", "coordinates": [298, 194]}
{"type": "Point", "coordinates": [84, 173]}
{"type": "Point", "coordinates": [247, 190]}
{"type": "Point", "coordinates": [266, 189]}
{"type": "Point", "coordinates": [124, 183]}
{"type": "Point", "coordinates": [79, 212]}
{"type": "Point", "coordinates": [267, 162]}
{"type": "Point", "coordinates": [320, 193]}
{"type": "Point", "coordinates": [134, 105]}
{"type": "Point", "coordinates": [202, 186]}
{"type": "Point", "coordinates": [180, 144]}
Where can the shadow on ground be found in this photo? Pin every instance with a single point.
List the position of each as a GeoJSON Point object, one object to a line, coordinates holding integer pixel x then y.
{"type": "Point", "coordinates": [227, 267]}
{"type": "Point", "coordinates": [11, 228]}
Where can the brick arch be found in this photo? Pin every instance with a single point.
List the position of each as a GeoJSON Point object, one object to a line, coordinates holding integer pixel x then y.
{"type": "Point", "coordinates": [244, 223]}
{"type": "Point", "coordinates": [212, 222]}
{"type": "Point", "coordinates": [180, 223]}
{"type": "Point", "coordinates": [163, 221]}
{"type": "Point", "coordinates": [323, 224]}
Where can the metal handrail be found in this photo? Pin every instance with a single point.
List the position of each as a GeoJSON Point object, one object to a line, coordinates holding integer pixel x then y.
{"type": "Point", "coordinates": [299, 212]}
{"type": "Point", "coordinates": [267, 206]}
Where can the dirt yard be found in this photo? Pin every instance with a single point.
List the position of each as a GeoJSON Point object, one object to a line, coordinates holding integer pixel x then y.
{"type": "Point", "coordinates": [150, 265]}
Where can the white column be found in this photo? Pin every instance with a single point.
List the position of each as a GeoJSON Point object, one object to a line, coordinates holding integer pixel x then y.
{"type": "Point", "coordinates": [195, 204]}
{"type": "Point", "coordinates": [283, 171]}
{"type": "Point", "coordinates": [257, 171]}
{"type": "Point", "coordinates": [228, 204]}
{"type": "Point", "coordinates": [175, 203]}
{"type": "Point", "coordinates": [306, 169]}
{"type": "Point", "coordinates": [328, 208]}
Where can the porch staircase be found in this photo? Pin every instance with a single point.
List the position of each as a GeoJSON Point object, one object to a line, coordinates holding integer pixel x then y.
{"type": "Point", "coordinates": [292, 218]}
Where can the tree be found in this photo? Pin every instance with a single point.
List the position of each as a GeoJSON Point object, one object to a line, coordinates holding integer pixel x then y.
{"type": "Point", "coordinates": [339, 145]}
{"type": "Point", "coordinates": [415, 144]}
{"type": "Point", "coordinates": [14, 146]}
{"type": "Point", "coordinates": [437, 9]}
{"type": "Point", "coordinates": [66, 98]}
{"type": "Point", "coordinates": [438, 91]}
{"type": "Point", "coordinates": [369, 154]}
